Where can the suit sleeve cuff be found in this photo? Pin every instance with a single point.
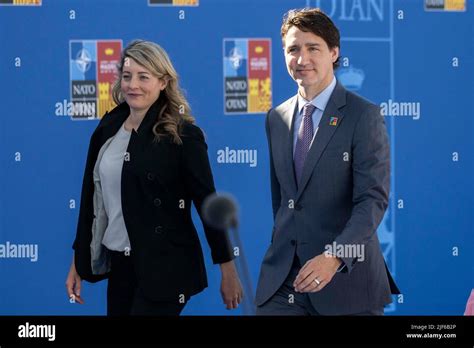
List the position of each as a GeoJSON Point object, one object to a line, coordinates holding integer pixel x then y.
{"type": "Point", "coordinates": [348, 263]}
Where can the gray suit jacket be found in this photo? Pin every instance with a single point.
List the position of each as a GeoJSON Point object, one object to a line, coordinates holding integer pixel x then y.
{"type": "Point", "coordinates": [342, 197]}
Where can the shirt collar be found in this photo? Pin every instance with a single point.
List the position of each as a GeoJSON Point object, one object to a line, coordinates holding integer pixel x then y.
{"type": "Point", "coordinates": [321, 100]}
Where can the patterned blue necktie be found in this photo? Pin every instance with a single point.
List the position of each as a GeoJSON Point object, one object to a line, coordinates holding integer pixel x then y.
{"type": "Point", "coordinates": [305, 135]}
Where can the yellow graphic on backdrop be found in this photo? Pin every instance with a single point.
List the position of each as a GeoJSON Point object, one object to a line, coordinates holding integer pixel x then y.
{"type": "Point", "coordinates": [455, 5]}
{"type": "Point", "coordinates": [26, 2]}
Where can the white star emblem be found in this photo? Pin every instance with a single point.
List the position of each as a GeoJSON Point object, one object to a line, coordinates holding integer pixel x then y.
{"type": "Point", "coordinates": [236, 56]}
{"type": "Point", "coordinates": [83, 60]}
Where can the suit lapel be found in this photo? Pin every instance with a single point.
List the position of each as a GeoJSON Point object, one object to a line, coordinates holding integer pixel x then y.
{"type": "Point", "coordinates": [288, 116]}
{"type": "Point", "coordinates": [119, 114]}
{"type": "Point", "coordinates": [324, 135]}
{"type": "Point", "coordinates": [111, 123]}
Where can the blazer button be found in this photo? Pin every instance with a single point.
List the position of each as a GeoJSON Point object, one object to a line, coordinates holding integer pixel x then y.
{"type": "Point", "coordinates": [293, 242]}
{"type": "Point", "coordinates": [157, 202]}
{"type": "Point", "coordinates": [150, 176]}
{"type": "Point", "coordinates": [298, 207]}
{"type": "Point", "coordinates": [159, 229]}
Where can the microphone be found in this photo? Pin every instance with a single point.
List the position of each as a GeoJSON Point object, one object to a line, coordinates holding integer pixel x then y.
{"type": "Point", "coordinates": [221, 212]}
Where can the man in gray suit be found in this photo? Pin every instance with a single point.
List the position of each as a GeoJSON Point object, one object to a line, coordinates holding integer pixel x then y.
{"type": "Point", "coordinates": [330, 181]}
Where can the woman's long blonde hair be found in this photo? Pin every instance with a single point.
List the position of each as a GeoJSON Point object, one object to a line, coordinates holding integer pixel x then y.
{"type": "Point", "coordinates": [176, 109]}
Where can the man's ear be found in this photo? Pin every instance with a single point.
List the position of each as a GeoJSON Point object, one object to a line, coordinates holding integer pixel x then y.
{"type": "Point", "coordinates": [334, 53]}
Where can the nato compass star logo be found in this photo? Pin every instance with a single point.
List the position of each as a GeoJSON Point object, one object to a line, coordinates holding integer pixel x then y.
{"type": "Point", "coordinates": [236, 56]}
{"type": "Point", "coordinates": [83, 60]}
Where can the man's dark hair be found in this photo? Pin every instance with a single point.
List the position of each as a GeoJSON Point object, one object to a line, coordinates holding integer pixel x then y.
{"type": "Point", "coordinates": [315, 21]}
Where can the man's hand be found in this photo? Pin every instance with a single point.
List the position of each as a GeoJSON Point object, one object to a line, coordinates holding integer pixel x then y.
{"type": "Point", "coordinates": [231, 289]}
{"type": "Point", "coordinates": [316, 273]}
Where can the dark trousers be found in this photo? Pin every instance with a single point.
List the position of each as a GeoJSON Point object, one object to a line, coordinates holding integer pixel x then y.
{"type": "Point", "coordinates": [124, 297]}
{"type": "Point", "coordinates": [288, 302]}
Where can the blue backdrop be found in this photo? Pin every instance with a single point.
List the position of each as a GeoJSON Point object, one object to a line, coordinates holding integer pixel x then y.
{"type": "Point", "coordinates": [412, 57]}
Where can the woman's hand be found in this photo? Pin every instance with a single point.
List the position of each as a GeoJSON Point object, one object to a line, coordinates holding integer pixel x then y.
{"type": "Point", "coordinates": [73, 284]}
{"type": "Point", "coordinates": [231, 289]}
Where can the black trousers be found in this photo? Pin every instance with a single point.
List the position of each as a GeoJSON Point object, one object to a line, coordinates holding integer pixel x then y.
{"type": "Point", "coordinates": [124, 296]}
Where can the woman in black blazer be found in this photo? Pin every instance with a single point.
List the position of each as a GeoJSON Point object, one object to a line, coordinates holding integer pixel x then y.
{"type": "Point", "coordinates": [146, 163]}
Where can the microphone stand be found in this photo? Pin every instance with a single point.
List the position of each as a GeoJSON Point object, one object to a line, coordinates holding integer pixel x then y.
{"type": "Point", "coordinates": [248, 301]}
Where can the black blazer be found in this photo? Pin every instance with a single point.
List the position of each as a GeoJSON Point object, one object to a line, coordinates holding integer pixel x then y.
{"type": "Point", "coordinates": [158, 184]}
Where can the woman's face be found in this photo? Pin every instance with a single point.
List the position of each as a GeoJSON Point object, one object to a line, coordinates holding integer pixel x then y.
{"type": "Point", "coordinates": [139, 86]}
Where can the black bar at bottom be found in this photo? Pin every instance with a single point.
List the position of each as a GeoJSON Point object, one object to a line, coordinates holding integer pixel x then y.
{"type": "Point", "coordinates": [236, 329]}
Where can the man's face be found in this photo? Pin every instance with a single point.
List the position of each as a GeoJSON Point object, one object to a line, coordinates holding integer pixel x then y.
{"type": "Point", "coordinates": [309, 60]}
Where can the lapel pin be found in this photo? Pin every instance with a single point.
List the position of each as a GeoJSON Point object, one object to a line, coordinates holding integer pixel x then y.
{"type": "Point", "coordinates": [333, 121]}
